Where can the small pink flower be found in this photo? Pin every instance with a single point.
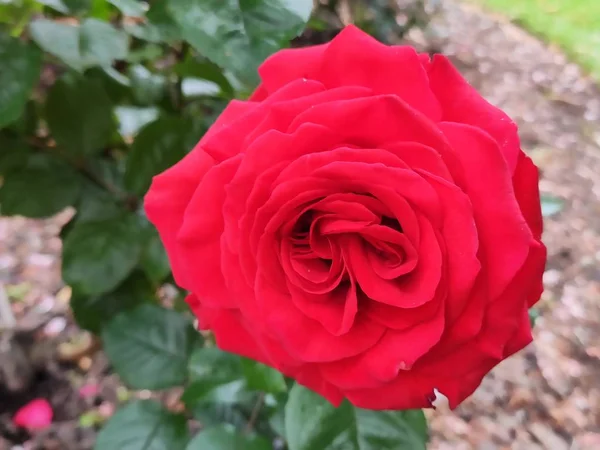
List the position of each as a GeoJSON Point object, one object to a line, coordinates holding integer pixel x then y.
{"type": "Point", "coordinates": [89, 390]}
{"type": "Point", "coordinates": [35, 415]}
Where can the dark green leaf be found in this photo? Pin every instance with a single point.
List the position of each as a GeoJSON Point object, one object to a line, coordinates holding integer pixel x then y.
{"type": "Point", "coordinates": [154, 258]}
{"type": "Point", "coordinates": [214, 365]}
{"type": "Point", "coordinates": [227, 438]}
{"type": "Point", "coordinates": [312, 422]}
{"type": "Point", "coordinates": [21, 65]}
{"type": "Point", "coordinates": [99, 255]}
{"type": "Point", "coordinates": [551, 205]}
{"type": "Point", "coordinates": [144, 425]}
{"type": "Point", "coordinates": [239, 34]}
{"type": "Point", "coordinates": [132, 118]}
{"type": "Point", "coordinates": [157, 147]}
{"type": "Point", "coordinates": [148, 88]}
{"type": "Point", "coordinates": [14, 154]}
{"type": "Point", "coordinates": [43, 187]}
{"type": "Point", "coordinates": [131, 8]}
{"type": "Point", "coordinates": [79, 115]}
{"type": "Point", "coordinates": [96, 204]}
{"type": "Point", "coordinates": [94, 43]}
{"type": "Point", "coordinates": [57, 5]}
{"type": "Point", "coordinates": [149, 347]}
{"type": "Point", "coordinates": [100, 43]}
{"type": "Point", "coordinates": [93, 312]}
{"type": "Point", "coordinates": [116, 85]}
{"type": "Point", "coordinates": [263, 378]}
{"type": "Point", "coordinates": [196, 68]}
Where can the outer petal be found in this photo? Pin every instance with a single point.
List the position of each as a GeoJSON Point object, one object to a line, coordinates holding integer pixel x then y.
{"type": "Point", "coordinates": [503, 234]}
{"type": "Point", "coordinates": [354, 58]}
{"type": "Point", "coordinates": [166, 202]}
{"type": "Point", "coordinates": [199, 239]}
{"type": "Point", "coordinates": [525, 182]}
{"type": "Point", "coordinates": [288, 65]}
{"type": "Point", "coordinates": [461, 103]}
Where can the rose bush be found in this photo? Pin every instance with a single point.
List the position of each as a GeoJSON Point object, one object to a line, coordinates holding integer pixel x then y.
{"type": "Point", "coordinates": [366, 223]}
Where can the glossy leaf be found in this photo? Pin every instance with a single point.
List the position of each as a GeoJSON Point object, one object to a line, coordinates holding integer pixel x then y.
{"type": "Point", "coordinates": [157, 147]}
{"type": "Point", "coordinates": [132, 118]}
{"type": "Point", "coordinates": [160, 26]}
{"type": "Point", "coordinates": [21, 66]}
{"type": "Point", "coordinates": [148, 88]}
{"type": "Point", "coordinates": [312, 422]}
{"type": "Point", "coordinates": [99, 255]}
{"type": "Point", "coordinates": [94, 43]}
{"type": "Point", "coordinates": [79, 115]}
{"type": "Point", "coordinates": [227, 438]}
{"type": "Point", "coordinates": [262, 378]}
{"type": "Point", "coordinates": [144, 425]}
{"type": "Point", "coordinates": [149, 347]}
{"type": "Point", "coordinates": [239, 34]}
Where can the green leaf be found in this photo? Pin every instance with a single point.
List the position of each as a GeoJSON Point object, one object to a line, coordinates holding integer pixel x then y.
{"type": "Point", "coordinates": [131, 8]}
{"type": "Point", "coordinates": [16, 14]}
{"type": "Point", "coordinates": [42, 188]}
{"type": "Point", "coordinates": [160, 26]}
{"type": "Point", "coordinates": [99, 255]}
{"type": "Point", "coordinates": [149, 347]}
{"type": "Point", "coordinates": [214, 365]}
{"type": "Point", "coordinates": [148, 88]}
{"type": "Point", "coordinates": [312, 422]}
{"type": "Point", "coordinates": [93, 312]}
{"type": "Point", "coordinates": [144, 425]}
{"type": "Point", "coordinates": [79, 115]}
{"type": "Point", "coordinates": [227, 438]}
{"type": "Point", "coordinates": [132, 118]}
{"type": "Point", "coordinates": [239, 34]}
{"type": "Point", "coordinates": [551, 205]}
{"type": "Point", "coordinates": [100, 43]}
{"type": "Point", "coordinates": [154, 258]}
{"type": "Point", "coordinates": [94, 43]}
{"type": "Point", "coordinates": [194, 67]}
{"type": "Point", "coordinates": [21, 66]}
{"type": "Point", "coordinates": [14, 154]}
{"type": "Point", "coordinates": [157, 147]}
{"type": "Point", "coordinates": [96, 204]}
{"type": "Point", "coordinates": [57, 5]}
{"type": "Point", "coordinates": [263, 378]}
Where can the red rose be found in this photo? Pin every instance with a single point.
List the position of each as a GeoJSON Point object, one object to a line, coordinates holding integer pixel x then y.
{"type": "Point", "coordinates": [366, 223]}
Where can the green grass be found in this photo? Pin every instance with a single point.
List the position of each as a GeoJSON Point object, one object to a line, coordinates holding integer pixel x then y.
{"type": "Point", "coordinates": [572, 25]}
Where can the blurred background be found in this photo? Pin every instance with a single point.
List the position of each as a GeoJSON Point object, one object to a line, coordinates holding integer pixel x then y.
{"type": "Point", "coordinates": [148, 90]}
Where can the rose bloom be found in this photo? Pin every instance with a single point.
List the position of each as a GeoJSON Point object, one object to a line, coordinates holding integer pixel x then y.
{"type": "Point", "coordinates": [366, 223]}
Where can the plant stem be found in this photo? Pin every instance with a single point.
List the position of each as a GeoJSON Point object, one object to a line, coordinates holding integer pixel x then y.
{"type": "Point", "coordinates": [255, 412]}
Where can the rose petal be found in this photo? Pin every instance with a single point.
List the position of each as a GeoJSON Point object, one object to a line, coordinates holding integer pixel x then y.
{"type": "Point", "coordinates": [166, 202]}
{"type": "Point", "coordinates": [354, 58]}
{"type": "Point", "coordinates": [35, 415]}
{"type": "Point", "coordinates": [461, 103]}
